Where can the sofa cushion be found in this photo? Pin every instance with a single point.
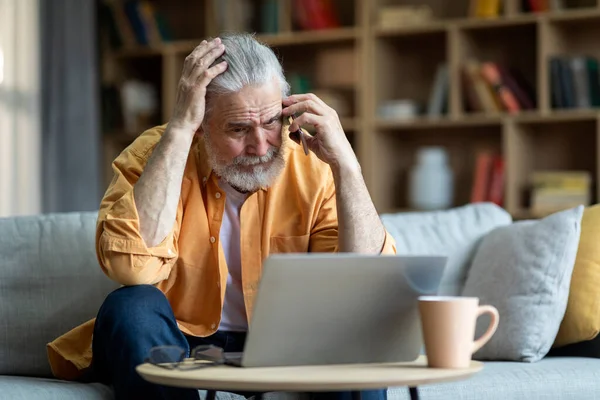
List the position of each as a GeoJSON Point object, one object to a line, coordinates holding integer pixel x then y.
{"type": "Point", "coordinates": [50, 282]}
{"type": "Point", "coordinates": [524, 270]}
{"type": "Point", "coordinates": [550, 378]}
{"type": "Point", "coordinates": [582, 317]}
{"type": "Point", "coordinates": [24, 388]}
{"type": "Point", "coordinates": [456, 233]}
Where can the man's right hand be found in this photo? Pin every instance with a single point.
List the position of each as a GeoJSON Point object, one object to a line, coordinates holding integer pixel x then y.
{"type": "Point", "coordinates": [190, 103]}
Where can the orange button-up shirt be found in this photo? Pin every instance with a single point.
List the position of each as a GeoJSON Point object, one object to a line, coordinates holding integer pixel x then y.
{"type": "Point", "coordinates": [296, 214]}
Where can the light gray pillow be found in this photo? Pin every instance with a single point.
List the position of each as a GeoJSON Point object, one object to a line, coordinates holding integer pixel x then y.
{"type": "Point", "coordinates": [455, 233]}
{"type": "Point", "coordinates": [524, 270]}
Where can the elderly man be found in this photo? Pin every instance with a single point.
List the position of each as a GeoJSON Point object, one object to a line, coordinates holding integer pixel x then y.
{"type": "Point", "coordinates": [195, 206]}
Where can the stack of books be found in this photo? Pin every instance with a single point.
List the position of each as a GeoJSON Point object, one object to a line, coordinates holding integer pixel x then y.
{"type": "Point", "coordinates": [574, 82]}
{"type": "Point", "coordinates": [491, 87]}
{"type": "Point", "coordinates": [554, 191]}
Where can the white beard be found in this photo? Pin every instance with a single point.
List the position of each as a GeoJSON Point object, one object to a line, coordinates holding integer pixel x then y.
{"type": "Point", "coordinates": [236, 173]}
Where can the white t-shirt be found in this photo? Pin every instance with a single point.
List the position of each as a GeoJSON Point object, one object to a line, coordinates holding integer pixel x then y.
{"type": "Point", "coordinates": [234, 311]}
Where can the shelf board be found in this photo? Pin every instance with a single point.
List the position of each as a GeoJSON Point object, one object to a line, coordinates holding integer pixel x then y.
{"type": "Point", "coordinates": [439, 26]}
{"type": "Point", "coordinates": [481, 119]}
{"type": "Point", "coordinates": [441, 122]}
{"type": "Point", "coordinates": [573, 115]}
{"type": "Point", "coordinates": [429, 28]}
{"type": "Point", "coordinates": [283, 39]}
{"type": "Point", "coordinates": [572, 15]}
{"type": "Point", "coordinates": [275, 40]}
{"type": "Point", "coordinates": [310, 37]}
{"type": "Point", "coordinates": [499, 22]}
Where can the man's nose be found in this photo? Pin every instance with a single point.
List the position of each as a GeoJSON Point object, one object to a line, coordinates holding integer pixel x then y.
{"type": "Point", "coordinates": [259, 145]}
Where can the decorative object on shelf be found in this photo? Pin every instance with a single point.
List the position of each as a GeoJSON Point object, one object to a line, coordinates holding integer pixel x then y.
{"type": "Point", "coordinates": [399, 109]}
{"type": "Point", "coordinates": [140, 105]}
{"type": "Point", "coordinates": [485, 8]}
{"type": "Point", "coordinates": [431, 180]}
{"type": "Point", "coordinates": [553, 191]}
{"type": "Point", "coordinates": [398, 16]}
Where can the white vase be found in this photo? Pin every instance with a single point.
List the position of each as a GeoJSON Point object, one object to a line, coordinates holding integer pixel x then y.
{"type": "Point", "coordinates": [431, 180]}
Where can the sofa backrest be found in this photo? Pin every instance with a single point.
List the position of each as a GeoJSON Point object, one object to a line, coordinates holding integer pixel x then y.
{"type": "Point", "coordinates": [50, 282]}
{"type": "Point", "coordinates": [455, 233]}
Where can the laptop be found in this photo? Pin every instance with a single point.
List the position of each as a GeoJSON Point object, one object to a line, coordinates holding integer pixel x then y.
{"type": "Point", "coordinates": [315, 309]}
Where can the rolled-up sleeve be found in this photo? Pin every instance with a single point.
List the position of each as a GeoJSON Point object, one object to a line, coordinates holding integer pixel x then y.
{"type": "Point", "coordinates": [120, 248]}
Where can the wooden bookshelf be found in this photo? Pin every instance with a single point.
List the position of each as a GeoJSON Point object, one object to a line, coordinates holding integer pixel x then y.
{"type": "Point", "coordinates": [399, 62]}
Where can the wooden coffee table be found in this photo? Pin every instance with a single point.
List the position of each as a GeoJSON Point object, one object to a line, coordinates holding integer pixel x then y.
{"type": "Point", "coordinates": [347, 377]}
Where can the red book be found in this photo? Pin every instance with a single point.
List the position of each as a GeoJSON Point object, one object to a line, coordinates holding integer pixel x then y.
{"type": "Point", "coordinates": [496, 190]}
{"type": "Point", "coordinates": [481, 178]}
{"type": "Point", "coordinates": [491, 73]}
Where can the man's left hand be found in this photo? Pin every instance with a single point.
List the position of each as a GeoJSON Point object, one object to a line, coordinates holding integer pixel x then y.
{"type": "Point", "coordinates": [329, 142]}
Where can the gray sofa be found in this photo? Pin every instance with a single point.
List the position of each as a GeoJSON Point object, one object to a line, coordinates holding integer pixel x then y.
{"type": "Point", "coordinates": [50, 282]}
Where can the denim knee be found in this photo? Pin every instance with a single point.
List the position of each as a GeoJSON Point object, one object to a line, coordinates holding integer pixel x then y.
{"type": "Point", "coordinates": [129, 306]}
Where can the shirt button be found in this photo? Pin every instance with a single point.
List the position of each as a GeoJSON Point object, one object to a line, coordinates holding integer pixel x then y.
{"type": "Point", "coordinates": [204, 179]}
{"type": "Point", "coordinates": [212, 239]}
{"type": "Point", "coordinates": [218, 195]}
{"type": "Point", "coordinates": [170, 252]}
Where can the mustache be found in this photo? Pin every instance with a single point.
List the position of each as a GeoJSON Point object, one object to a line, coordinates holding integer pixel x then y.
{"type": "Point", "coordinates": [248, 161]}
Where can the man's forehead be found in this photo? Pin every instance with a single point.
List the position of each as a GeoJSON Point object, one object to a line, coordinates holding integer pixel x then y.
{"type": "Point", "coordinates": [236, 111]}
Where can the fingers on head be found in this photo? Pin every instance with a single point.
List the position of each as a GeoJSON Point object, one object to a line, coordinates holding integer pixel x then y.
{"type": "Point", "coordinates": [208, 75]}
{"type": "Point", "coordinates": [202, 49]}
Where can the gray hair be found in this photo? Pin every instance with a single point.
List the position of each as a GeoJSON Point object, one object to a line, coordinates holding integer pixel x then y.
{"type": "Point", "coordinates": [249, 62]}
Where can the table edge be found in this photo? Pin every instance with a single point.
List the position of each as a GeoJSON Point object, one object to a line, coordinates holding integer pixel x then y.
{"type": "Point", "coordinates": [194, 383]}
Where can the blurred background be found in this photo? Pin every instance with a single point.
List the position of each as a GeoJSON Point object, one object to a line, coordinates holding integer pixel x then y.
{"type": "Point", "coordinates": [446, 102]}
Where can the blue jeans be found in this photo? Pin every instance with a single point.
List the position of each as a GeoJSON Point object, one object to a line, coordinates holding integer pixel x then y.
{"type": "Point", "coordinates": [132, 320]}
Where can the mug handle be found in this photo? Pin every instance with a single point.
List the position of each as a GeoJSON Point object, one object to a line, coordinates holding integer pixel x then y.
{"type": "Point", "coordinates": [487, 309]}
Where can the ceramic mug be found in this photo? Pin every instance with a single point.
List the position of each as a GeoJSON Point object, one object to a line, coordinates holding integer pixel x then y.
{"type": "Point", "coordinates": [448, 325]}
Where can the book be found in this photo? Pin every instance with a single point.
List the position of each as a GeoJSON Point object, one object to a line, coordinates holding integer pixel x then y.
{"type": "Point", "coordinates": [438, 97]}
{"type": "Point", "coordinates": [553, 191]}
{"type": "Point", "coordinates": [481, 178]}
{"type": "Point", "coordinates": [491, 73]}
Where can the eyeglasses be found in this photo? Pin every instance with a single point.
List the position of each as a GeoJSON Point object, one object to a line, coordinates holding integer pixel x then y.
{"type": "Point", "coordinates": [173, 357]}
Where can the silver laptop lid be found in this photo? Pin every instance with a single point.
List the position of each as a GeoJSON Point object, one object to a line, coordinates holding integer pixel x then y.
{"type": "Point", "coordinates": [339, 308]}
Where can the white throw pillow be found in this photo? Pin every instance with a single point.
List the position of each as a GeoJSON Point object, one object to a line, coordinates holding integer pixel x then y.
{"type": "Point", "coordinates": [524, 270]}
{"type": "Point", "coordinates": [455, 233]}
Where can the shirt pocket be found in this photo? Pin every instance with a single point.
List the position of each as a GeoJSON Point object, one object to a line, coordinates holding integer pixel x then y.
{"type": "Point", "coordinates": [289, 244]}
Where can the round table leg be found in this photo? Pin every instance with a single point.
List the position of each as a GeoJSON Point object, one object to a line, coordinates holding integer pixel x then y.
{"type": "Point", "coordinates": [414, 393]}
{"type": "Point", "coordinates": [211, 394]}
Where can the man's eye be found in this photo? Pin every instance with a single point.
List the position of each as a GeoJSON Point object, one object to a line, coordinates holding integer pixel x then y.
{"type": "Point", "coordinates": [239, 130]}
{"type": "Point", "coordinates": [272, 122]}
